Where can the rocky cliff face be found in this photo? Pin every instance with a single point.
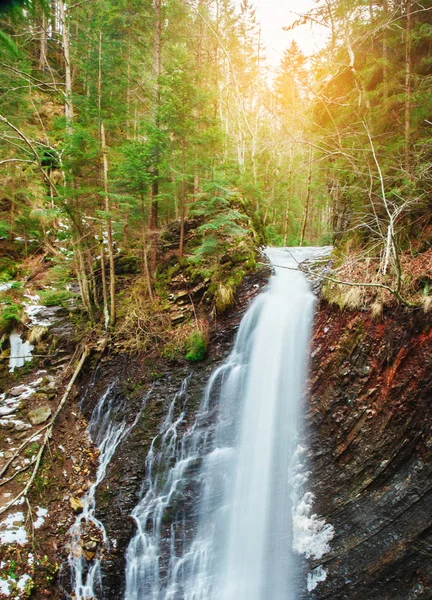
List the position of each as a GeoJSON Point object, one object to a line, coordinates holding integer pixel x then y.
{"type": "Point", "coordinates": [369, 435]}
{"type": "Point", "coordinates": [369, 422]}
{"type": "Point", "coordinates": [369, 438]}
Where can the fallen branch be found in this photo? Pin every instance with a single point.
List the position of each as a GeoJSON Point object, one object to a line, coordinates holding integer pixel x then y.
{"type": "Point", "coordinates": [25, 468]}
{"type": "Point", "coordinates": [48, 432]}
{"type": "Point", "coordinates": [23, 445]}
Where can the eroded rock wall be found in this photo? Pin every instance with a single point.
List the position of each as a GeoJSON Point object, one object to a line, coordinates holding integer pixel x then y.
{"type": "Point", "coordinates": [369, 422]}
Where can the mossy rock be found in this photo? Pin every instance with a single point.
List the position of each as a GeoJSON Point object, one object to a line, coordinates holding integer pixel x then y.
{"type": "Point", "coordinates": [196, 347]}
{"type": "Point", "coordinates": [126, 265]}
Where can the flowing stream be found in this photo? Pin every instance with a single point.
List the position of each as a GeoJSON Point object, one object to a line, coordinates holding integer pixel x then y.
{"type": "Point", "coordinates": [223, 513]}
{"type": "Point", "coordinates": [108, 427]}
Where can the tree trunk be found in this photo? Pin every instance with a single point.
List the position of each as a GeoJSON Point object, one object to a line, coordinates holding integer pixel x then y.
{"type": "Point", "coordinates": [69, 111]}
{"type": "Point", "coordinates": [155, 185]}
{"type": "Point", "coordinates": [385, 51]}
{"type": "Point", "coordinates": [288, 199]}
{"type": "Point", "coordinates": [307, 201]}
{"type": "Point", "coordinates": [182, 201]}
{"type": "Point", "coordinates": [43, 48]}
{"type": "Point", "coordinates": [144, 249]}
{"type": "Point", "coordinates": [105, 185]}
{"type": "Point", "coordinates": [83, 279]}
{"type": "Point", "coordinates": [408, 70]}
{"type": "Point", "coordinates": [109, 227]}
{"type": "Point", "coordinates": [53, 18]}
{"type": "Point", "coordinates": [104, 282]}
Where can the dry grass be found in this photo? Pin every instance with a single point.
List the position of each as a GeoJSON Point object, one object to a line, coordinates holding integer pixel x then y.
{"type": "Point", "coordinates": [356, 268]}
{"type": "Point", "coordinates": [142, 325]}
{"type": "Point", "coordinates": [427, 304]}
{"type": "Point", "coordinates": [377, 310]}
{"type": "Point", "coordinates": [37, 333]}
{"type": "Point", "coordinates": [224, 296]}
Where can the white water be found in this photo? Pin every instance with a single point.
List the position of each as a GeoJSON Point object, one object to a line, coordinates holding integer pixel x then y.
{"type": "Point", "coordinates": [107, 429]}
{"type": "Point", "coordinates": [218, 506]}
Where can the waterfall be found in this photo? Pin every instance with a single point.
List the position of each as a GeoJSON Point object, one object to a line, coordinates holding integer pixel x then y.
{"type": "Point", "coordinates": [107, 428]}
{"type": "Point", "coordinates": [215, 519]}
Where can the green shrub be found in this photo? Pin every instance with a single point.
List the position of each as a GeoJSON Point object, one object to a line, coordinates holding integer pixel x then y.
{"type": "Point", "coordinates": [196, 347]}
{"type": "Point", "coordinates": [54, 297]}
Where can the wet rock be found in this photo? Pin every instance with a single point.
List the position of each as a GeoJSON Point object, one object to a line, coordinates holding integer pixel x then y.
{"type": "Point", "coordinates": [76, 505]}
{"type": "Point", "coordinates": [17, 391]}
{"type": "Point", "coordinates": [370, 463]}
{"type": "Point", "coordinates": [21, 426]}
{"type": "Point", "coordinates": [89, 555]}
{"type": "Point", "coordinates": [45, 397]}
{"type": "Point", "coordinates": [46, 389]}
{"type": "Point", "coordinates": [39, 415]}
{"type": "Point", "coordinates": [177, 318]}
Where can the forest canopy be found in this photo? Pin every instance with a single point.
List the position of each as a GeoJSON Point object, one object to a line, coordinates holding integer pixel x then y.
{"type": "Point", "coordinates": [121, 118]}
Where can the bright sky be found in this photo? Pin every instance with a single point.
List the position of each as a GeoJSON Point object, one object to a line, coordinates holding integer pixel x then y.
{"type": "Point", "coordinates": [276, 14]}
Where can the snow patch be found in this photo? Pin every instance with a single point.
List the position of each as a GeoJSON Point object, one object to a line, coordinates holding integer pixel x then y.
{"type": "Point", "coordinates": [22, 581]}
{"type": "Point", "coordinates": [43, 316]}
{"type": "Point", "coordinates": [20, 352]}
{"type": "Point", "coordinates": [41, 513]}
{"type": "Point", "coordinates": [12, 531]}
{"type": "Point", "coordinates": [4, 287]}
{"type": "Point", "coordinates": [5, 587]}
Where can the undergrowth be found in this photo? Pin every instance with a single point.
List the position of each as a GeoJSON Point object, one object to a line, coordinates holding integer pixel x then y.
{"type": "Point", "coordinates": [356, 267]}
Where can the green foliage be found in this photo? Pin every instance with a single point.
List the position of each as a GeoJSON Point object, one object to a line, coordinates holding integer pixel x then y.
{"type": "Point", "coordinates": [196, 347]}
{"type": "Point", "coordinates": [222, 222]}
{"type": "Point", "coordinates": [9, 45]}
{"type": "Point", "coordinates": [4, 228]}
{"type": "Point", "coordinates": [54, 297]}
{"type": "Point", "coordinates": [10, 317]}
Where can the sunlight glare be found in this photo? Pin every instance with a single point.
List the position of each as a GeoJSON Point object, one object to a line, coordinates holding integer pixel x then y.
{"type": "Point", "coordinates": [274, 15]}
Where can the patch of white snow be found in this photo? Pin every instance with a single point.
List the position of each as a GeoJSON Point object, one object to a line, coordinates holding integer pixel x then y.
{"type": "Point", "coordinates": [4, 287]}
{"type": "Point", "coordinates": [41, 513]}
{"type": "Point", "coordinates": [21, 583]}
{"type": "Point", "coordinates": [4, 587]}
{"type": "Point", "coordinates": [12, 531]}
{"type": "Point", "coordinates": [20, 352]}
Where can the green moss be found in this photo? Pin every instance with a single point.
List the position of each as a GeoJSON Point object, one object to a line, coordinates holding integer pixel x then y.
{"type": "Point", "coordinates": [8, 269]}
{"type": "Point", "coordinates": [54, 297]}
{"type": "Point", "coordinates": [10, 317]}
{"type": "Point", "coordinates": [196, 347]}
{"type": "Point", "coordinates": [31, 449]}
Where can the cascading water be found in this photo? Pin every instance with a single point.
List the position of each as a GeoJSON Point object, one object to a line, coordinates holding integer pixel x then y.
{"type": "Point", "coordinates": [217, 513]}
{"type": "Point", "coordinates": [107, 428]}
